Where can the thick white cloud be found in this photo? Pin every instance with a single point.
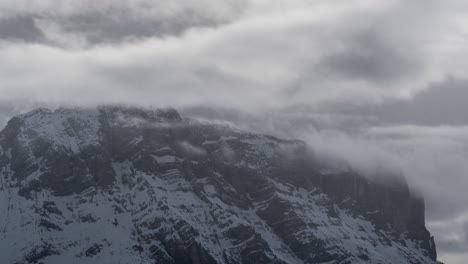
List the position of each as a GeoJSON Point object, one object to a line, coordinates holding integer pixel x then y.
{"type": "Point", "coordinates": [279, 53]}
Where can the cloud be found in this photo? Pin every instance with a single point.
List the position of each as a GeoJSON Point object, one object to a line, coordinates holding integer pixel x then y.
{"type": "Point", "coordinates": [343, 52]}
{"type": "Point", "coordinates": [130, 20]}
{"type": "Point", "coordinates": [453, 237]}
{"type": "Point", "coordinates": [192, 149]}
{"type": "Point", "coordinates": [208, 65]}
{"type": "Point", "coordinates": [21, 28]}
{"type": "Point", "coordinates": [371, 58]}
{"type": "Point", "coordinates": [439, 103]}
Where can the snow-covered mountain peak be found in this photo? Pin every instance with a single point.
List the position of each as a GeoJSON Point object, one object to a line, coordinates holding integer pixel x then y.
{"type": "Point", "coordinates": [129, 185]}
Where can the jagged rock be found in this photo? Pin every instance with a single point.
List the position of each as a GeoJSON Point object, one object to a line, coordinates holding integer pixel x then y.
{"type": "Point", "coordinates": [128, 185]}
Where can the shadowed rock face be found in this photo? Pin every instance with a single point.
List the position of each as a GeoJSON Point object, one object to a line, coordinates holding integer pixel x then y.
{"type": "Point", "coordinates": [147, 186]}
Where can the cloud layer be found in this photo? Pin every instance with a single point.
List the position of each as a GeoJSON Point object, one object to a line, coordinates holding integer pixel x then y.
{"type": "Point", "coordinates": [379, 83]}
{"type": "Point", "coordinates": [224, 52]}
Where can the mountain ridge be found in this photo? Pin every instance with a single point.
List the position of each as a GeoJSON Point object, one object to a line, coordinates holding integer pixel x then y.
{"type": "Point", "coordinates": [148, 186]}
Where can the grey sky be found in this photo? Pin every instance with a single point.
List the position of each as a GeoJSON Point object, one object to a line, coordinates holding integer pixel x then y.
{"type": "Point", "coordinates": [20, 28]}
{"type": "Point", "coordinates": [369, 57]}
{"type": "Point", "coordinates": [372, 81]}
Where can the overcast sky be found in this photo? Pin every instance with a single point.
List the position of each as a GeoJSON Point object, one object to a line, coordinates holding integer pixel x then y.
{"type": "Point", "coordinates": [377, 82]}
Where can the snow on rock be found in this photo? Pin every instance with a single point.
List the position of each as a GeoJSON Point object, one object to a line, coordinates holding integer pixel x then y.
{"type": "Point", "coordinates": [125, 185]}
{"type": "Point", "coordinates": [70, 129]}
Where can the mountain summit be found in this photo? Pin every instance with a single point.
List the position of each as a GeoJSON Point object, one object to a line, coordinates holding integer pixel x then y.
{"type": "Point", "coordinates": [129, 185]}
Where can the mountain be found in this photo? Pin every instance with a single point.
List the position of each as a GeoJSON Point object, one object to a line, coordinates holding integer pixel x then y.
{"type": "Point", "coordinates": [128, 185]}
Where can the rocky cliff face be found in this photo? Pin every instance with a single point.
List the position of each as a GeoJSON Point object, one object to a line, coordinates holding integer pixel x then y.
{"type": "Point", "coordinates": [125, 185]}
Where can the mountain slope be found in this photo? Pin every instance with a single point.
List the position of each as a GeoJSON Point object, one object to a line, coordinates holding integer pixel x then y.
{"type": "Point", "coordinates": [126, 185]}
